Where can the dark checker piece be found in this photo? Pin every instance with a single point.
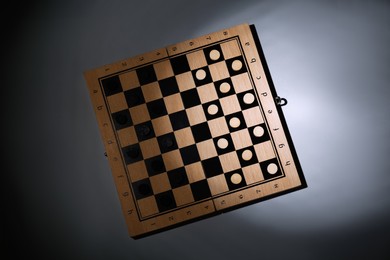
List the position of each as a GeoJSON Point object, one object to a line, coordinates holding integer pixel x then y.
{"type": "Point", "coordinates": [132, 153]}
{"type": "Point", "coordinates": [155, 165]}
{"type": "Point", "coordinates": [165, 201]}
{"type": "Point", "coordinates": [134, 97]}
{"type": "Point", "coordinates": [144, 131]}
{"type": "Point", "coordinates": [122, 119]}
{"type": "Point", "coordinates": [112, 85]}
{"type": "Point", "coordinates": [142, 189]}
{"type": "Point", "coordinates": [167, 142]}
{"type": "Point", "coordinates": [146, 75]}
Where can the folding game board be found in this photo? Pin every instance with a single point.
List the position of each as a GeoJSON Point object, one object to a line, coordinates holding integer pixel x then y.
{"type": "Point", "coordinates": [193, 130]}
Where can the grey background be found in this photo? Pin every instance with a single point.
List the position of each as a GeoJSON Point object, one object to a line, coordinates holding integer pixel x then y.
{"type": "Point", "coordinates": [330, 59]}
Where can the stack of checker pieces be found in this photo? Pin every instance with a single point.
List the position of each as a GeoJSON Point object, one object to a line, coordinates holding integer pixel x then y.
{"type": "Point", "coordinates": [189, 131]}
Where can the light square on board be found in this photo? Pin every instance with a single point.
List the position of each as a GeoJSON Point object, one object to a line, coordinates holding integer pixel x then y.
{"type": "Point", "coordinates": [217, 184]}
{"type": "Point", "coordinates": [127, 136]}
{"type": "Point", "coordinates": [230, 104]}
{"type": "Point", "coordinates": [117, 102]}
{"type": "Point", "coordinates": [183, 195]}
{"type": "Point", "coordinates": [160, 183]}
{"type": "Point", "coordinates": [196, 60]}
{"type": "Point", "coordinates": [129, 80]}
{"type": "Point", "coordinates": [253, 116]}
{"type": "Point", "coordinates": [196, 115]}
{"type": "Point", "coordinates": [147, 206]}
{"type": "Point", "coordinates": [207, 93]}
{"type": "Point", "coordinates": [185, 81]}
{"type": "Point", "coordinates": [172, 160]}
{"type": "Point", "coordinates": [219, 71]}
{"type": "Point", "coordinates": [173, 103]}
{"type": "Point", "coordinates": [252, 173]}
{"type": "Point", "coordinates": [241, 139]}
{"type": "Point", "coordinates": [206, 149]}
{"type": "Point", "coordinates": [229, 162]}
{"type": "Point", "coordinates": [151, 91]}
{"type": "Point", "coordinates": [218, 127]}
{"type": "Point", "coordinates": [195, 172]}
{"type": "Point", "coordinates": [230, 49]}
{"type": "Point", "coordinates": [139, 114]}
{"type": "Point", "coordinates": [241, 82]}
{"type": "Point", "coordinates": [184, 137]}
{"type": "Point", "coordinates": [149, 148]}
{"type": "Point", "coordinates": [162, 125]}
{"type": "Point", "coordinates": [163, 69]}
{"type": "Point", "coordinates": [264, 151]}
{"type": "Point", "coordinates": [137, 171]}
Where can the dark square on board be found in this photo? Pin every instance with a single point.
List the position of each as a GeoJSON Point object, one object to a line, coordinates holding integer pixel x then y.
{"type": "Point", "coordinates": [265, 169]}
{"type": "Point", "coordinates": [212, 167]}
{"type": "Point", "coordinates": [180, 64]}
{"type": "Point", "coordinates": [134, 97]}
{"type": "Point", "coordinates": [225, 92]}
{"type": "Point", "coordinates": [146, 75]}
{"type": "Point", "coordinates": [179, 120]}
{"type": "Point", "coordinates": [229, 64]}
{"type": "Point", "coordinates": [202, 81]}
{"type": "Point", "coordinates": [228, 148]}
{"type": "Point", "coordinates": [258, 133]}
{"type": "Point", "coordinates": [200, 190]}
{"type": "Point", "coordinates": [231, 184]}
{"type": "Point", "coordinates": [144, 131]}
{"type": "Point", "coordinates": [155, 165]}
{"type": "Point", "coordinates": [167, 142]}
{"type": "Point", "coordinates": [250, 161]}
{"type": "Point", "coordinates": [219, 112]}
{"type": "Point", "coordinates": [168, 86]}
{"type": "Point", "coordinates": [177, 177]}
{"type": "Point", "coordinates": [132, 153]}
{"type": "Point", "coordinates": [241, 97]}
{"type": "Point", "coordinates": [214, 48]}
{"type": "Point", "coordinates": [156, 108]}
{"type": "Point", "coordinates": [111, 85]}
{"type": "Point", "coordinates": [122, 119]}
{"type": "Point", "coordinates": [142, 189]}
{"type": "Point", "coordinates": [165, 201]}
{"type": "Point", "coordinates": [190, 98]}
{"type": "Point", "coordinates": [189, 154]}
{"type": "Point", "coordinates": [201, 132]}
